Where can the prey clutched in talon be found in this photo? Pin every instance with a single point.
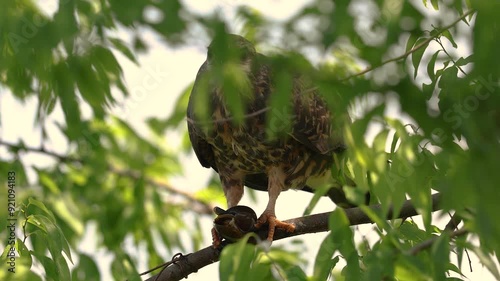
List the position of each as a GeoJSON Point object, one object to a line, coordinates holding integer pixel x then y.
{"type": "Point", "coordinates": [232, 224]}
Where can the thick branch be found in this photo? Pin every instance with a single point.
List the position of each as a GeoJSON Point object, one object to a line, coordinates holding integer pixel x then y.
{"type": "Point", "coordinates": [303, 225]}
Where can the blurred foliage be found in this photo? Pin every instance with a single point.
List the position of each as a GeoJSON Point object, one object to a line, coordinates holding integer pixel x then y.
{"type": "Point", "coordinates": [444, 79]}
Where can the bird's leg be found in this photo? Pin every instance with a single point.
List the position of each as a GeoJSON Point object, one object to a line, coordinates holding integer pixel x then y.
{"type": "Point", "coordinates": [233, 190]}
{"type": "Point", "coordinates": [276, 184]}
{"type": "Point", "coordinates": [216, 238]}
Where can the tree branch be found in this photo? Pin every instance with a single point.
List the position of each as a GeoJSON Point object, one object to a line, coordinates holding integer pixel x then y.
{"type": "Point", "coordinates": [428, 243]}
{"type": "Point", "coordinates": [412, 50]}
{"type": "Point", "coordinates": [452, 225]}
{"type": "Point", "coordinates": [41, 150]}
{"type": "Point", "coordinates": [196, 205]}
{"type": "Point", "coordinates": [190, 263]}
{"type": "Point", "coordinates": [200, 206]}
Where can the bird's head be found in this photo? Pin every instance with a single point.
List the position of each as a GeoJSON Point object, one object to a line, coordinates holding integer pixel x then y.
{"type": "Point", "coordinates": [231, 47]}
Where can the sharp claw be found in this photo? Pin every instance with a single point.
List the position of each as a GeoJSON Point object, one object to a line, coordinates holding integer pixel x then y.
{"type": "Point", "coordinates": [273, 224]}
{"type": "Point", "coordinates": [216, 239]}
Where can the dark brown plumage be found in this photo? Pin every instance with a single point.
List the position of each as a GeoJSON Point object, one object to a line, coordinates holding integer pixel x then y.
{"type": "Point", "coordinates": [243, 154]}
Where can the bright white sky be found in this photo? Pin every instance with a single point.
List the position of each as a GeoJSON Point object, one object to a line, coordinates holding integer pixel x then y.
{"type": "Point", "coordinates": [174, 69]}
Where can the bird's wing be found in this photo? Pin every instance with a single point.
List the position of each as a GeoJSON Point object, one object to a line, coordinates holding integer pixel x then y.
{"type": "Point", "coordinates": [201, 147]}
{"type": "Point", "coordinates": [313, 122]}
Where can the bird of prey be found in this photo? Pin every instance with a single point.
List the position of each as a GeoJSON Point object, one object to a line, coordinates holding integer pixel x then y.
{"type": "Point", "coordinates": [243, 153]}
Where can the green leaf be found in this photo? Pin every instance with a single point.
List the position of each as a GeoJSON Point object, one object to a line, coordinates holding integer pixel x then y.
{"type": "Point", "coordinates": [57, 242]}
{"type": "Point", "coordinates": [67, 211]}
{"type": "Point", "coordinates": [121, 46]}
{"type": "Point", "coordinates": [23, 252]}
{"type": "Point", "coordinates": [122, 267]}
{"type": "Point", "coordinates": [343, 237]}
{"type": "Point", "coordinates": [413, 233]}
{"type": "Point", "coordinates": [42, 207]}
{"type": "Point", "coordinates": [88, 83]}
{"type": "Point", "coordinates": [411, 42]}
{"type": "Point", "coordinates": [395, 140]}
{"type": "Point", "coordinates": [279, 116]}
{"type": "Point", "coordinates": [103, 56]}
{"type": "Point", "coordinates": [86, 269]}
{"type": "Point", "coordinates": [324, 263]}
{"type": "Point", "coordinates": [379, 161]}
{"type": "Point", "coordinates": [48, 182]}
{"type": "Point", "coordinates": [173, 22]}
{"type": "Point", "coordinates": [49, 267]}
{"type": "Point", "coordinates": [236, 260]}
{"type": "Point", "coordinates": [295, 273]}
{"type": "Point", "coordinates": [464, 61]}
{"type": "Point", "coordinates": [51, 233]}
{"type": "Point", "coordinates": [448, 78]}
{"type": "Point", "coordinates": [252, 19]}
{"type": "Point", "coordinates": [431, 64]}
{"type": "Point", "coordinates": [428, 89]}
{"type": "Point", "coordinates": [417, 55]}
{"type": "Point", "coordinates": [319, 192]}
{"type": "Point", "coordinates": [484, 43]}
{"type": "Point", "coordinates": [435, 4]}
{"type": "Point", "coordinates": [441, 253]}
{"type": "Point", "coordinates": [376, 217]}
{"type": "Point", "coordinates": [236, 89]}
{"type": "Point", "coordinates": [62, 268]}
{"type": "Point", "coordinates": [448, 35]}
{"type": "Point", "coordinates": [63, 84]}
{"type": "Point", "coordinates": [412, 268]}
{"type": "Point", "coordinates": [380, 262]}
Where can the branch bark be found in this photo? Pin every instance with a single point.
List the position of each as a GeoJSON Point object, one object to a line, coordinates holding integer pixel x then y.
{"type": "Point", "coordinates": [190, 263]}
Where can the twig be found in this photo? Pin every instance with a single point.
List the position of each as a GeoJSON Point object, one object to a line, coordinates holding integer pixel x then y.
{"type": "Point", "coordinates": [412, 50]}
{"type": "Point", "coordinates": [177, 257]}
{"type": "Point", "coordinates": [438, 40]}
{"type": "Point", "coordinates": [41, 150]}
{"type": "Point", "coordinates": [453, 225]}
{"type": "Point", "coordinates": [303, 225]}
{"type": "Point", "coordinates": [428, 243]}
{"type": "Point", "coordinates": [455, 220]}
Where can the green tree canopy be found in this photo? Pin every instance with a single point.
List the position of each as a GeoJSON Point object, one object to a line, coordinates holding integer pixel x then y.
{"type": "Point", "coordinates": [421, 80]}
